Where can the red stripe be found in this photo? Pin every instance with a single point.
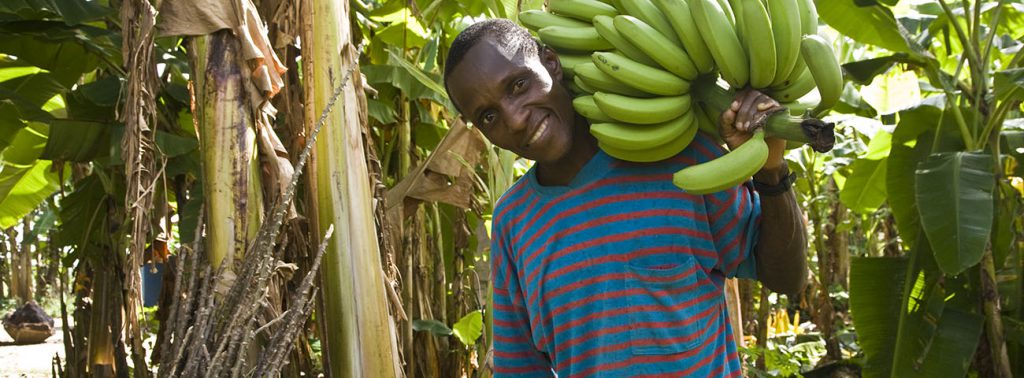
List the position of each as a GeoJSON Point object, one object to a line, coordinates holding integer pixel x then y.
{"type": "Point", "coordinates": [594, 186]}
{"type": "Point", "coordinates": [646, 359]}
{"type": "Point", "coordinates": [738, 241]}
{"type": "Point", "coordinates": [513, 191]}
{"type": "Point", "coordinates": [548, 298]}
{"type": "Point", "coordinates": [604, 201]}
{"type": "Point", "coordinates": [562, 346]}
{"type": "Point", "coordinates": [622, 311]}
{"type": "Point", "coordinates": [519, 369]}
{"type": "Point", "coordinates": [516, 355]}
{"type": "Point", "coordinates": [599, 241]}
{"type": "Point", "coordinates": [517, 339]}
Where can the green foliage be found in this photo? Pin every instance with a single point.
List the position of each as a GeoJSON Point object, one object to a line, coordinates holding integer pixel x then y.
{"type": "Point", "coordinates": [959, 230]}
{"type": "Point", "coordinates": [469, 328]}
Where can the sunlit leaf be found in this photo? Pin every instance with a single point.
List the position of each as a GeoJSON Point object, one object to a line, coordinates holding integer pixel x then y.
{"type": "Point", "coordinates": [22, 190]}
{"type": "Point", "coordinates": [893, 91]}
{"type": "Point", "coordinates": [404, 34]}
{"type": "Point", "coordinates": [469, 328]}
{"type": "Point", "coordinates": [864, 191]}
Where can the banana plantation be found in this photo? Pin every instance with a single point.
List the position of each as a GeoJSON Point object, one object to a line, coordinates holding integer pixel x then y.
{"type": "Point", "coordinates": [284, 188]}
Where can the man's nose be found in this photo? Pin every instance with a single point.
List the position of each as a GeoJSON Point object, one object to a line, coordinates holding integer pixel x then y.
{"type": "Point", "coordinates": [516, 117]}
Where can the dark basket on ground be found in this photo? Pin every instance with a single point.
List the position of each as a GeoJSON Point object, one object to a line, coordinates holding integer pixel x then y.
{"type": "Point", "coordinates": [29, 324]}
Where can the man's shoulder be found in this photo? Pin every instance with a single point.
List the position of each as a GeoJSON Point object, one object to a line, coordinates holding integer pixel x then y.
{"type": "Point", "coordinates": [512, 197]}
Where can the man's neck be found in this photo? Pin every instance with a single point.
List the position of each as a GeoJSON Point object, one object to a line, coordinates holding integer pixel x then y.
{"type": "Point", "coordinates": [563, 171]}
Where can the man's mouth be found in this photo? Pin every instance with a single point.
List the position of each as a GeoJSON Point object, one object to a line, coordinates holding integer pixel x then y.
{"type": "Point", "coordinates": [540, 131]}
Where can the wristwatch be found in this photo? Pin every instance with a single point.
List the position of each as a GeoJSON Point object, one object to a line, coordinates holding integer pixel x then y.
{"type": "Point", "coordinates": [773, 190]}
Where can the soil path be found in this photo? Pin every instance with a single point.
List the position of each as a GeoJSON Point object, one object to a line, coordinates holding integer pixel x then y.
{"type": "Point", "coordinates": [30, 360]}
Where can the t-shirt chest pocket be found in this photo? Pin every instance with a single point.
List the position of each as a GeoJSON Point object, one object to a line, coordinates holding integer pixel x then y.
{"type": "Point", "coordinates": [667, 307]}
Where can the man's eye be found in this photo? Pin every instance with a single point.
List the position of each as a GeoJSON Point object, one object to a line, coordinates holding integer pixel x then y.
{"type": "Point", "coordinates": [487, 118]}
{"type": "Point", "coordinates": [519, 84]}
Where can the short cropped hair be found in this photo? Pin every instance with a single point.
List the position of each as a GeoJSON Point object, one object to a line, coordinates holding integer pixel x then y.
{"type": "Point", "coordinates": [507, 33]}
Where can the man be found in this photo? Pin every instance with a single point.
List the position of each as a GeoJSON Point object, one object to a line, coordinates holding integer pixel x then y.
{"type": "Point", "coordinates": [603, 267]}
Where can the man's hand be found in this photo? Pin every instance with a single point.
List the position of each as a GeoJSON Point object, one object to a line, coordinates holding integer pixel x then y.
{"type": "Point", "coordinates": [748, 112]}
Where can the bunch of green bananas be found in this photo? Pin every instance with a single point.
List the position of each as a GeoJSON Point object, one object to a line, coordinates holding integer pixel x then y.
{"type": "Point", "coordinates": [645, 72]}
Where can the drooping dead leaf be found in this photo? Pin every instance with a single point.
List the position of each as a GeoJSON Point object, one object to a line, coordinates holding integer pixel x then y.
{"type": "Point", "coordinates": [447, 174]}
{"type": "Point", "coordinates": [201, 17]}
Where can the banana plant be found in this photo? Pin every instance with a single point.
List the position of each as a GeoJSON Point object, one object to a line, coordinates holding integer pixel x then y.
{"type": "Point", "coordinates": [945, 178]}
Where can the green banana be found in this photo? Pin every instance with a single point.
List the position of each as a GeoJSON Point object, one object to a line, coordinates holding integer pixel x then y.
{"type": "Point", "coordinates": [785, 15]}
{"type": "Point", "coordinates": [798, 70]}
{"type": "Point", "coordinates": [582, 86]}
{"type": "Point", "coordinates": [575, 88]}
{"type": "Point", "coordinates": [594, 78]}
{"type": "Point", "coordinates": [795, 89]}
{"type": "Point", "coordinates": [721, 39]}
{"type": "Point", "coordinates": [726, 171]}
{"type": "Point", "coordinates": [760, 43]}
{"type": "Point", "coordinates": [646, 11]}
{"type": "Point", "coordinates": [640, 76]}
{"type": "Point", "coordinates": [569, 62]}
{"type": "Point", "coordinates": [583, 10]}
{"type": "Point", "coordinates": [587, 108]}
{"type": "Point", "coordinates": [631, 137]}
{"type": "Point", "coordinates": [729, 15]}
{"type": "Point", "coordinates": [606, 28]}
{"type": "Point", "coordinates": [739, 26]}
{"type": "Point", "coordinates": [642, 111]}
{"type": "Point", "coordinates": [824, 68]}
{"type": "Point", "coordinates": [536, 19]}
{"type": "Point", "coordinates": [678, 14]}
{"type": "Point", "coordinates": [574, 39]}
{"type": "Point", "coordinates": [706, 122]}
{"type": "Point", "coordinates": [808, 17]}
{"type": "Point", "coordinates": [669, 55]}
{"type": "Point", "coordinates": [662, 152]}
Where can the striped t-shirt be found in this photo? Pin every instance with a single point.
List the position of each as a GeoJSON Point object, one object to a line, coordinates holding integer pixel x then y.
{"type": "Point", "coordinates": [620, 273]}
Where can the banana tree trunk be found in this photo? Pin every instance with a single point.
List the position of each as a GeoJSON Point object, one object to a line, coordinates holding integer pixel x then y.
{"type": "Point", "coordinates": [21, 266]}
{"type": "Point", "coordinates": [359, 335]}
{"type": "Point", "coordinates": [227, 139]}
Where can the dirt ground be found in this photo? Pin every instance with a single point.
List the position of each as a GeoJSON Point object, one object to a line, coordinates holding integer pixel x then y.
{"type": "Point", "coordinates": [29, 360]}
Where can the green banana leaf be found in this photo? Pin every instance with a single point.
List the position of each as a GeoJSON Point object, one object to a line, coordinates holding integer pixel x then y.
{"type": "Point", "coordinates": [910, 319]}
{"type": "Point", "coordinates": [1009, 84]}
{"type": "Point", "coordinates": [851, 102]}
{"type": "Point", "coordinates": [72, 11]}
{"type": "Point", "coordinates": [954, 197]}
{"type": "Point", "coordinates": [79, 141]}
{"type": "Point", "coordinates": [911, 143]}
{"type": "Point", "coordinates": [850, 19]}
{"type": "Point", "coordinates": [908, 147]}
{"type": "Point", "coordinates": [875, 299]}
{"type": "Point", "coordinates": [23, 190]}
{"type": "Point", "coordinates": [469, 328]}
{"type": "Point", "coordinates": [864, 191]}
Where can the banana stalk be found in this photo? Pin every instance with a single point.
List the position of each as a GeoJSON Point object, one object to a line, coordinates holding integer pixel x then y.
{"type": "Point", "coordinates": [358, 334]}
{"type": "Point", "coordinates": [227, 139]}
{"type": "Point", "coordinates": [812, 131]}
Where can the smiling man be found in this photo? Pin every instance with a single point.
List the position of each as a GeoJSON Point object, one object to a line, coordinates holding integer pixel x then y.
{"type": "Point", "coordinates": [603, 267]}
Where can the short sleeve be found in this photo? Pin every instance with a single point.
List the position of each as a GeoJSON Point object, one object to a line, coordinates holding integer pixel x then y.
{"type": "Point", "coordinates": [734, 215]}
{"type": "Point", "coordinates": [514, 352]}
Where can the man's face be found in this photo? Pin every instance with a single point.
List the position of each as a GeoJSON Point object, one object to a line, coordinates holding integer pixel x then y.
{"type": "Point", "coordinates": [515, 99]}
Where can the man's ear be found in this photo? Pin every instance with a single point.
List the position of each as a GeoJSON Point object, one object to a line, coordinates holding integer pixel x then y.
{"type": "Point", "coordinates": [549, 58]}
